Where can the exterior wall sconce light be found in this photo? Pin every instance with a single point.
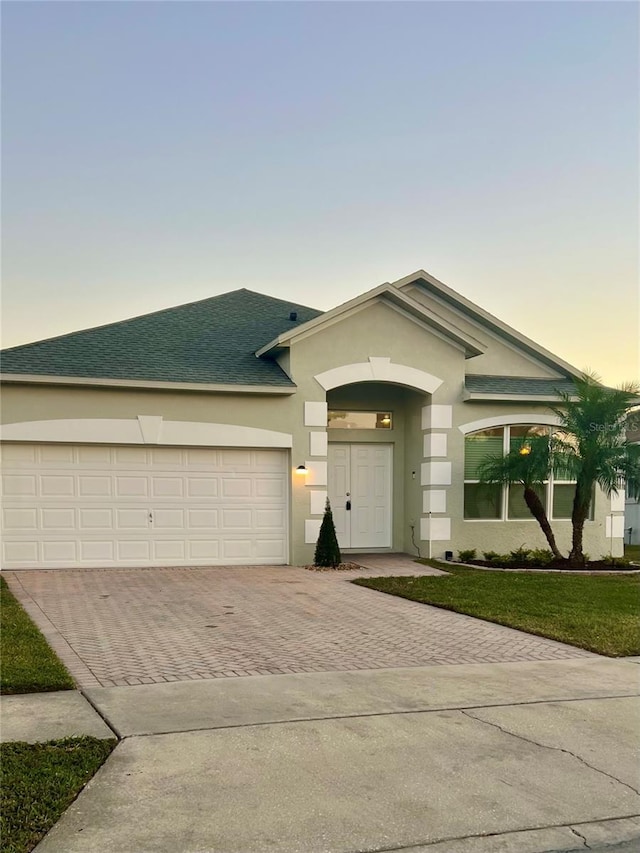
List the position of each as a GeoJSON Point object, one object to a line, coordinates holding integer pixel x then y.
{"type": "Point", "coordinates": [301, 469]}
{"type": "Point", "coordinates": [525, 450]}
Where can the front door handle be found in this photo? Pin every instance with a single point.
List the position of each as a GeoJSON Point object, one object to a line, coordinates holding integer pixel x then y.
{"type": "Point", "coordinates": [348, 505]}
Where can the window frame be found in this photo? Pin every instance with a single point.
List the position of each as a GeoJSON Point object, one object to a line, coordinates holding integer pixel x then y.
{"type": "Point", "coordinates": [548, 484]}
{"type": "Point", "coordinates": [378, 414]}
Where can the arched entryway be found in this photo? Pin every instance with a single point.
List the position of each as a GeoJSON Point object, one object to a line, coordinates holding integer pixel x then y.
{"type": "Point", "coordinates": [373, 462]}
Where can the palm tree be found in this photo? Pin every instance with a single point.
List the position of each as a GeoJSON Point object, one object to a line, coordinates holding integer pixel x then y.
{"type": "Point", "coordinates": [594, 449]}
{"type": "Point", "coordinates": [528, 463]}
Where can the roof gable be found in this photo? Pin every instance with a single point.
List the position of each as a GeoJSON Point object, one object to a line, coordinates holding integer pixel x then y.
{"type": "Point", "coordinates": [210, 341]}
{"type": "Point", "coordinates": [484, 319]}
{"type": "Point", "coordinates": [392, 296]}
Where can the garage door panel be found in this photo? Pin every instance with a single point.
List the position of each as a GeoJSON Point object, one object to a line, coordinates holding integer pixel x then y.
{"type": "Point", "coordinates": [18, 453]}
{"type": "Point", "coordinates": [133, 550]}
{"type": "Point", "coordinates": [204, 549]}
{"type": "Point", "coordinates": [169, 456]}
{"type": "Point", "coordinates": [58, 519]}
{"type": "Point", "coordinates": [202, 487]}
{"type": "Point", "coordinates": [20, 519]}
{"type": "Point", "coordinates": [97, 551]}
{"type": "Point", "coordinates": [19, 552]}
{"type": "Point", "coordinates": [164, 519]}
{"type": "Point", "coordinates": [78, 505]}
{"type": "Point", "coordinates": [57, 486]}
{"type": "Point", "coordinates": [270, 549]}
{"type": "Point", "coordinates": [235, 460]}
{"type": "Point", "coordinates": [169, 549]}
{"type": "Point", "coordinates": [16, 485]}
{"type": "Point", "coordinates": [60, 551]}
{"type": "Point", "coordinates": [88, 455]}
{"type": "Point", "coordinates": [235, 549]}
{"type": "Point", "coordinates": [202, 518]}
{"type": "Point", "coordinates": [133, 486]}
{"type": "Point", "coordinates": [132, 519]}
{"type": "Point", "coordinates": [202, 458]}
{"type": "Point", "coordinates": [269, 519]}
{"type": "Point", "coordinates": [94, 485]}
{"type": "Point", "coordinates": [236, 518]}
{"type": "Point", "coordinates": [270, 487]}
{"type": "Point", "coordinates": [266, 460]}
{"type": "Point", "coordinates": [236, 488]}
{"type": "Point", "coordinates": [131, 456]}
{"type": "Point", "coordinates": [92, 519]}
{"type": "Point", "coordinates": [167, 487]}
{"type": "Point", "coordinates": [61, 453]}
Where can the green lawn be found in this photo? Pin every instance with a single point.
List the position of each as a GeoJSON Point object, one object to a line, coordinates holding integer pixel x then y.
{"type": "Point", "coordinates": [599, 613]}
{"type": "Point", "coordinates": [39, 781]}
{"type": "Point", "coordinates": [28, 664]}
{"type": "Point", "coordinates": [632, 552]}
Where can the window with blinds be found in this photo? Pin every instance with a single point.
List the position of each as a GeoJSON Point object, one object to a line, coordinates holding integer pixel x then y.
{"type": "Point", "coordinates": [506, 502]}
{"type": "Point", "coordinates": [480, 446]}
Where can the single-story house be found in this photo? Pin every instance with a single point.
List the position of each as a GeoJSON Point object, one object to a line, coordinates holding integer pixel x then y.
{"type": "Point", "coordinates": [212, 433]}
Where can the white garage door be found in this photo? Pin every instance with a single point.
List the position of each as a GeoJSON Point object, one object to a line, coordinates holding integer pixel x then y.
{"type": "Point", "coordinates": [98, 505]}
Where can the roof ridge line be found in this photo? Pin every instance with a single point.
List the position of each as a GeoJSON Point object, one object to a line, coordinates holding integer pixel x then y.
{"type": "Point", "coordinates": [159, 311]}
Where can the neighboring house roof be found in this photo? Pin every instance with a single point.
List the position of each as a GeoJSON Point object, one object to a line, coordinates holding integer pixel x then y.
{"type": "Point", "coordinates": [474, 312]}
{"type": "Point", "coordinates": [212, 341]}
{"type": "Point", "coordinates": [507, 387]}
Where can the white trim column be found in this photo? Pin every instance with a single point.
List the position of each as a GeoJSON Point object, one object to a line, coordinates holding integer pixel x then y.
{"type": "Point", "coordinates": [435, 473]}
{"type": "Point", "coordinates": [315, 415]}
{"type": "Point", "coordinates": [614, 524]}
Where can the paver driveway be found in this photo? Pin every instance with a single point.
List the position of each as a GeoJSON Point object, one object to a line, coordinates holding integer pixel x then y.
{"type": "Point", "coordinates": [138, 626]}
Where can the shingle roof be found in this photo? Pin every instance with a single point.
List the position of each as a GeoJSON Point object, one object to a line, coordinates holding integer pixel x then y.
{"type": "Point", "coordinates": [518, 385]}
{"type": "Point", "coordinates": [211, 341]}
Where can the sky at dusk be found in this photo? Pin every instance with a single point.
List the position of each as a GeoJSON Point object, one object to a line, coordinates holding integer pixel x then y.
{"type": "Point", "coordinates": [160, 153]}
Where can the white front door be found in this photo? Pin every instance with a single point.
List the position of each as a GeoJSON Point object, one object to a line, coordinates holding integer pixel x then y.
{"type": "Point", "coordinates": [360, 494]}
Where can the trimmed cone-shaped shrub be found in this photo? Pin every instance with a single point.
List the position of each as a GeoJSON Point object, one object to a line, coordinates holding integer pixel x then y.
{"type": "Point", "coordinates": [327, 548]}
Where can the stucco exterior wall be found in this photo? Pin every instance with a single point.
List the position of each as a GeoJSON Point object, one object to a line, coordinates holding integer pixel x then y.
{"type": "Point", "coordinates": [377, 331]}
{"type": "Point", "coordinates": [42, 402]}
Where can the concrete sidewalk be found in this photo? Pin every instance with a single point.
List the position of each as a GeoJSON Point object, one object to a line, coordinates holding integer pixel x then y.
{"type": "Point", "coordinates": [39, 717]}
{"type": "Point", "coordinates": [214, 704]}
{"type": "Point", "coordinates": [527, 757]}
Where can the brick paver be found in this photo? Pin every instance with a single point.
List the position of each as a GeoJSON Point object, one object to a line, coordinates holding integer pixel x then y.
{"type": "Point", "coordinates": [119, 627]}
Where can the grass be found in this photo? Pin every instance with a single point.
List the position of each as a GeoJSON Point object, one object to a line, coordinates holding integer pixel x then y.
{"type": "Point", "coordinates": [40, 781]}
{"type": "Point", "coordinates": [632, 552]}
{"type": "Point", "coordinates": [600, 613]}
{"type": "Point", "coordinates": [28, 663]}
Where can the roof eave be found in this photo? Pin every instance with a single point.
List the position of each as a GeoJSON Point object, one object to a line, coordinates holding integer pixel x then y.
{"type": "Point", "coordinates": [202, 387]}
{"type": "Point", "coordinates": [489, 397]}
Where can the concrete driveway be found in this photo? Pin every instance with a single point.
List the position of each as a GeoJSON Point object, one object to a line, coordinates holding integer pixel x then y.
{"type": "Point", "coordinates": [525, 757]}
{"type": "Point", "coordinates": [123, 627]}
{"type": "Point", "coordinates": [377, 724]}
